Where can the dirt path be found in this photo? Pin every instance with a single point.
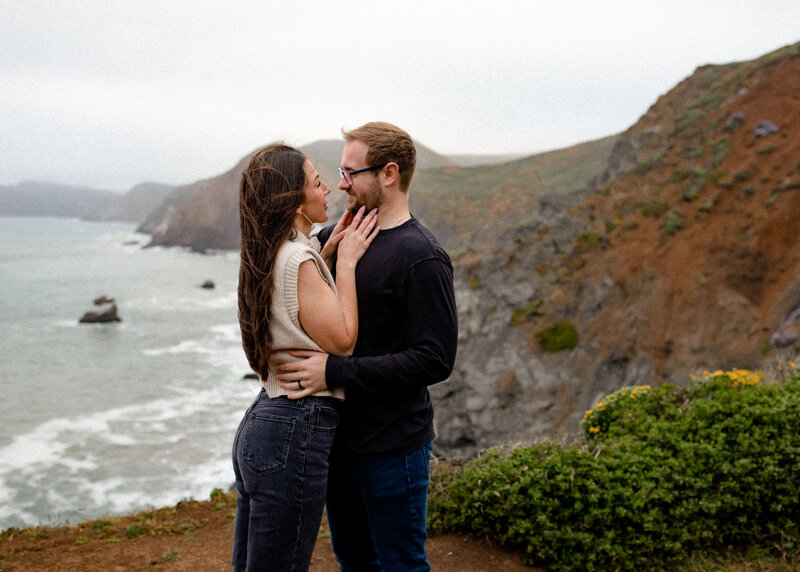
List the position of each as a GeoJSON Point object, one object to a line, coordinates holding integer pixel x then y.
{"type": "Point", "coordinates": [196, 536]}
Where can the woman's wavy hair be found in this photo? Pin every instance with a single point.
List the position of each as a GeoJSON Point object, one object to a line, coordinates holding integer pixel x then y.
{"type": "Point", "coordinates": [269, 194]}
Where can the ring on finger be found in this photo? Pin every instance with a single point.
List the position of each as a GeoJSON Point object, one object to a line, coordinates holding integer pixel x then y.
{"type": "Point", "coordinates": [300, 385]}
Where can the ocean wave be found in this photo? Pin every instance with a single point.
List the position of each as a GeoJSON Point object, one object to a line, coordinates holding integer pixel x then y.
{"type": "Point", "coordinates": [221, 349]}
{"type": "Point", "coordinates": [228, 300]}
{"type": "Point", "coordinates": [122, 459]}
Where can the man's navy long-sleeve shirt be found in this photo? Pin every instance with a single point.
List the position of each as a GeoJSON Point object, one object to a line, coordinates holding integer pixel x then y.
{"type": "Point", "coordinates": [407, 337]}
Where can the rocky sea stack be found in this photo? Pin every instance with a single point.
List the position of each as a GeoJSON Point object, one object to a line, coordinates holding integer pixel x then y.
{"type": "Point", "coordinates": [104, 311]}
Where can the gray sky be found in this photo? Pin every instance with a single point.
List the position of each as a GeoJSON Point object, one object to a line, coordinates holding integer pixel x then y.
{"type": "Point", "coordinates": [110, 93]}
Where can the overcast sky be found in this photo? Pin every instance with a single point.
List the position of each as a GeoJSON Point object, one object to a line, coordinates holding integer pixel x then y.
{"type": "Point", "coordinates": [110, 93]}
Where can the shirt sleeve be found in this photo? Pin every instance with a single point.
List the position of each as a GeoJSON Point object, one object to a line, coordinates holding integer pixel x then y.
{"type": "Point", "coordinates": [430, 329]}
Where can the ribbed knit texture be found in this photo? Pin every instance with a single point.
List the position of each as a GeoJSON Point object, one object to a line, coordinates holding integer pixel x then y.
{"type": "Point", "coordinates": [285, 329]}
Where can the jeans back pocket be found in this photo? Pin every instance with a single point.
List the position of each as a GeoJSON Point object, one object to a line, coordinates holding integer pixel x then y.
{"type": "Point", "coordinates": [266, 442]}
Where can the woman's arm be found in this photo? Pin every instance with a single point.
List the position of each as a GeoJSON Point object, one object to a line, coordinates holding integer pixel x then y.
{"type": "Point", "coordinates": [321, 314]}
{"type": "Point", "coordinates": [330, 321]}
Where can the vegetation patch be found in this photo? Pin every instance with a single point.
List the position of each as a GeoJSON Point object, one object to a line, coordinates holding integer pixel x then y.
{"type": "Point", "coordinates": [521, 315]}
{"type": "Point", "coordinates": [589, 241]}
{"type": "Point", "coordinates": [719, 151]}
{"type": "Point", "coordinates": [558, 337]}
{"type": "Point", "coordinates": [706, 206]}
{"type": "Point", "coordinates": [654, 160]}
{"type": "Point", "coordinates": [673, 222]}
{"type": "Point", "coordinates": [654, 208]}
{"type": "Point", "coordinates": [663, 477]}
{"type": "Point", "coordinates": [694, 189]}
{"type": "Point", "coordinates": [745, 174]}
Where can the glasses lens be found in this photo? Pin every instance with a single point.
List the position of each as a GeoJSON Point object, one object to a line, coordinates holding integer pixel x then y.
{"type": "Point", "coordinates": [347, 177]}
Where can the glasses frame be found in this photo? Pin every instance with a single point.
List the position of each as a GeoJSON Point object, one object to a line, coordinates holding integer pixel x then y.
{"type": "Point", "coordinates": [348, 175]}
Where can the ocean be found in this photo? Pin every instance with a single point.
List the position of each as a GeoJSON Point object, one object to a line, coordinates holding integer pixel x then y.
{"type": "Point", "coordinates": [104, 419]}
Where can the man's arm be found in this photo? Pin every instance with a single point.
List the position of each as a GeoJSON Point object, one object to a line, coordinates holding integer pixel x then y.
{"type": "Point", "coordinates": [430, 333]}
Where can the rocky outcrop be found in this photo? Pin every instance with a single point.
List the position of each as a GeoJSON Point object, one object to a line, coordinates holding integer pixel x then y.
{"type": "Point", "coordinates": [104, 311]}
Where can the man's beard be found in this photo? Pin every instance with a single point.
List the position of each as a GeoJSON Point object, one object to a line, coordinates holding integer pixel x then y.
{"type": "Point", "coordinates": [372, 198]}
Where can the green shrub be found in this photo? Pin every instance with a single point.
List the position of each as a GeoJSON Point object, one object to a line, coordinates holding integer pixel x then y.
{"type": "Point", "coordinates": [560, 336]}
{"type": "Point", "coordinates": [654, 208]}
{"type": "Point", "coordinates": [694, 188]}
{"type": "Point", "coordinates": [676, 473]}
{"type": "Point", "coordinates": [673, 222]}
{"type": "Point", "coordinates": [136, 530]}
{"type": "Point", "coordinates": [607, 412]}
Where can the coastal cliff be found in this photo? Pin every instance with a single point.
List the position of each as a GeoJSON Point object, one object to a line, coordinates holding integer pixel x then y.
{"type": "Point", "coordinates": [682, 256]}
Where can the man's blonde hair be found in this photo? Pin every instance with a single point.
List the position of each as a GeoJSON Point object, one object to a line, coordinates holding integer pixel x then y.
{"type": "Point", "coordinates": [387, 143]}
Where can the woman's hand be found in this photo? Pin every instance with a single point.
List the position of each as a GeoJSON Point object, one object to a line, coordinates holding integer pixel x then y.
{"type": "Point", "coordinates": [329, 250]}
{"type": "Point", "coordinates": [357, 237]}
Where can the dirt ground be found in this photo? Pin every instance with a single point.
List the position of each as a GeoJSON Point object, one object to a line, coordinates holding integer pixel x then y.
{"type": "Point", "coordinates": [196, 536]}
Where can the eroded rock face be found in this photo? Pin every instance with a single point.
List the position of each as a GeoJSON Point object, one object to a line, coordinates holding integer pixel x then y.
{"type": "Point", "coordinates": [650, 306]}
{"type": "Point", "coordinates": [788, 333]}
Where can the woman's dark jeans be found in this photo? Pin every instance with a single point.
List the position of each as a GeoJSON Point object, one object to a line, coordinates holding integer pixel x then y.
{"type": "Point", "coordinates": [280, 459]}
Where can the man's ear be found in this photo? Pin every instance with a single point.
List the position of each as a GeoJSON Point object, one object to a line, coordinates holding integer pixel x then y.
{"type": "Point", "coordinates": [391, 173]}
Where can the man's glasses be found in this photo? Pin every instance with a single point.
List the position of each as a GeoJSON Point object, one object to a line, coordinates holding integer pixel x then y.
{"type": "Point", "coordinates": [348, 175]}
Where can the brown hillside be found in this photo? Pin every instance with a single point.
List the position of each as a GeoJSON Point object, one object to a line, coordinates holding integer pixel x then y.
{"type": "Point", "coordinates": [701, 257]}
{"type": "Point", "coordinates": [478, 208]}
{"type": "Point", "coordinates": [210, 219]}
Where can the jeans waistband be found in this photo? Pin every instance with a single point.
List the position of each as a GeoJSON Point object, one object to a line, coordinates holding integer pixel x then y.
{"type": "Point", "coordinates": [324, 400]}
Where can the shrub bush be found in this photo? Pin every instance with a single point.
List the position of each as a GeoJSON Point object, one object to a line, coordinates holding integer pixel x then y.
{"type": "Point", "coordinates": [560, 336]}
{"type": "Point", "coordinates": [670, 474]}
{"type": "Point", "coordinates": [673, 222]}
{"type": "Point", "coordinates": [654, 208]}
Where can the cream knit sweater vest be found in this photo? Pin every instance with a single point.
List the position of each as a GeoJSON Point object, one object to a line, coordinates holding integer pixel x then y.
{"type": "Point", "coordinates": [287, 333]}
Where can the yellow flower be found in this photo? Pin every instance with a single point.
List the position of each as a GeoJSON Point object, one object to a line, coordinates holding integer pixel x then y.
{"type": "Point", "coordinates": [594, 429]}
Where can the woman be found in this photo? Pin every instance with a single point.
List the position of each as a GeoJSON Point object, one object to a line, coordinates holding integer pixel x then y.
{"type": "Point", "coordinates": [288, 300]}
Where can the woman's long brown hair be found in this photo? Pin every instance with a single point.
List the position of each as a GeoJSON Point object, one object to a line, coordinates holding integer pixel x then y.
{"type": "Point", "coordinates": [269, 194]}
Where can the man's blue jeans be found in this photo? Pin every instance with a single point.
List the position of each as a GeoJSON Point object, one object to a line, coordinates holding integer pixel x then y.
{"type": "Point", "coordinates": [377, 507]}
{"type": "Point", "coordinates": [280, 459]}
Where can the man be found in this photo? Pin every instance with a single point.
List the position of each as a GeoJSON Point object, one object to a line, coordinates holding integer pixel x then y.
{"type": "Point", "coordinates": [378, 479]}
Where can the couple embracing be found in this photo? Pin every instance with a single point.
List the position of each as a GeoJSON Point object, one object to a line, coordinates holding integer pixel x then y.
{"type": "Point", "coordinates": [346, 330]}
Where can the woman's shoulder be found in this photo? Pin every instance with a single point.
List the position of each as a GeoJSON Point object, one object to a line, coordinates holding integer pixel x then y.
{"type": "Point", "coordinates": [294, 252]}
{"type": "Point", "coordinates": [294, 247]}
